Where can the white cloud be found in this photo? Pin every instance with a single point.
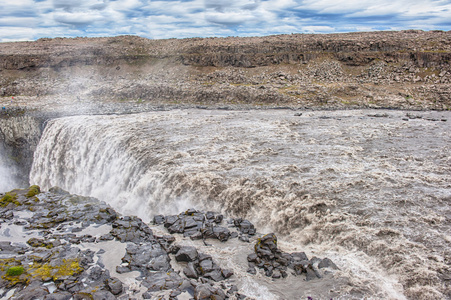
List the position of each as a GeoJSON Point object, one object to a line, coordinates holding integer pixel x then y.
{"type": "Point", "coordinates": [27, 19]}
{"type": "Point", "coordinates": [77, 18]}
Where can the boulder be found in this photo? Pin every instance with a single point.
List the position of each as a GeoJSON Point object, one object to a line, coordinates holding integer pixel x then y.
{"type": "Point", "coordinates": [159, 219]}
{"type": "Point", "coordinates": [207, 291]}
{"type": "Point", "coordinates": [186, 253]}
{"type": "Point", "coordinates": [327, 263]}
{"type": "Point", "coordinates": [190, 271]}
{"type": "Point", "coordinates": [221, 233]}
{"type": "Point", "coordinates": [114, 285]}
{"type": "Point", "coordinates": [31, 292]}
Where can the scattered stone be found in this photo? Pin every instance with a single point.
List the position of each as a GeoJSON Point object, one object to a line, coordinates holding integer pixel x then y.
{"type": "Point", "coordinates": [186, 253]}
{"type": "Point", "coordinates": [190, 271]}
{"type": "Point", "coordinates": [244, 226]}
{"type": "Point", "coordinates": [131, 229]}
{"type": "Point", "coordinates": [275, 263]}
{"type": "Point", "coordinates": [114, 285]}
{"type": "Point", "coordinates": [207, 291]}
{"type": "Point", "coordinates": [81, 274]}
{"type": "Point", "coordinates": [327, 263]}
{"type": "Point", "coordinates": [159, 219]}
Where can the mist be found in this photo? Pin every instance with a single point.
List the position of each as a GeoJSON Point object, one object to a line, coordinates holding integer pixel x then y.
{"type": "Point", "coordinates": [8, 180]}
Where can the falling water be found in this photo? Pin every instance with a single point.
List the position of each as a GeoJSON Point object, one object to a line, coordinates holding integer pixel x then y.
{"type": "Point", "coordinates": [370, 190]}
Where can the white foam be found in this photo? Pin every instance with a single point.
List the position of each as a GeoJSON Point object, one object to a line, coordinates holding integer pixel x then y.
{"type": "Point", "coordinates": [369, 185]}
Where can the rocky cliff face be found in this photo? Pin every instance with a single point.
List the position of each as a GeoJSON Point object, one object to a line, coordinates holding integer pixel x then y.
{"type": "Point", "coordinates": [408, 69]}
{"type": "Point", "coordinates": [19, 136]}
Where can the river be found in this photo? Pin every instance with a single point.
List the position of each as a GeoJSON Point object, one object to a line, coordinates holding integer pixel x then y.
{"type": "Point", "coordinates": [370, 189]}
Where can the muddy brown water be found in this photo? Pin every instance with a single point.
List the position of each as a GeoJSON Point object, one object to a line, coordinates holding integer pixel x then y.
{"type": "Point", "coordinates": [369, 189]}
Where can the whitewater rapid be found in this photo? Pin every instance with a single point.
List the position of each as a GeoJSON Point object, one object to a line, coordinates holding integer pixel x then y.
{"type": "Point", "coordinates": [369, 189]}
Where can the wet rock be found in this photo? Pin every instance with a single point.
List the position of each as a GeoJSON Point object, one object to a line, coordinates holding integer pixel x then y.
{"type": "Point", "coordinates": [276, 274]}
{"type": "Point", "coordinates": [194, 234]}
{"type": "Point", "coordinates": [80, 274]}
{"type": "Point", "coordinates": [327, 263]}
{"type": "Point", "coordinates": [37, 242]}
{"type": "Point", "coordinates": [165, 241]}
{"type": "Point", "coordinates": [58, 295]}
{"type": "Point", "coordinates": [218, 219]}
{"type": "Point", "coordinates": [190, 212]}
{"type": "Point", "coordinates": [226, 273]}
{"type": "Point", "coordinates": [233, 289]}
{"type": "Point", "coordinates": [122, 269]}
{"type": "Point", "coordinates": [146, 257]}
{"type": "Point", "coordinates": [221, 233]}
{"type": "Point", "coordinates": [190, 222]}
{"type": "Point", "coordinates": [103, 295]}
{"type": "Point", "coordinates": [159, 219]}
{"type": "Point", "coordinates": [252, 257]}
{"type": "Point", "coordinates": [215, 275]}
{"type": "Point", "coordinates": [162, 281]}
{"type": "Point", "coordinates": [114, 285]}
{"type": "Point", "coordinates": [131, 229]}
{"type": "Point", "coordinates": [7, 247]}
{"type": "Point", "coordinates": [186, 253]}
{"type": "Point", "coordinates": [207, 291]}
{"type": "Point", "coordinates": [210, 215]}
{"type": "Point", "coordinates": [244, 226]}
{"type": "Point", "coordinates": [190, 271]}
{"type": "Point", "coordinates": [31, 292]}
{"type": "Point", "coordinates": [177, 227]}
{"type": "Point", "coordinates": [299, 256]}
{"type": "Point", "coordinates": [206, 265]}
{"type": "Point", "coordinates": [203, 256]}
{"type": "Point", "coordinates": [244, 238]}
{"type": "Point", "coordinates": [301, 267]}
{"type": "Point", "coordinates": [274, 262]}
{"type": "Point", "coordinates": [97, 273]}
{"type": "Point", "coordinates": [170, 220]}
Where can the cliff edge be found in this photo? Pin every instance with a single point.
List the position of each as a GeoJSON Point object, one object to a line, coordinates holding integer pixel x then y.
{"type": "Point", "coordinates": [406, 70]}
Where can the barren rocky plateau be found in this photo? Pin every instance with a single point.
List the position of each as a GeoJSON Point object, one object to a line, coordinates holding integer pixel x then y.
{"type": "Point", "coordinates": [403, 70]}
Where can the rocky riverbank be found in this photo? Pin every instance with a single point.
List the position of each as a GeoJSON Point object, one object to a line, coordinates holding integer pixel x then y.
{"type": "Point", "coordinates": [404, 70]}
{"type": "Point", "coordinates": [55, 245]}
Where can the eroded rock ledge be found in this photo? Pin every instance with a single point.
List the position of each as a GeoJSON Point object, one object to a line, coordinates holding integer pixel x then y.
{"type": "Point", "coordinates": [55, 245]}
{"type": "Point", "coordinates": [405, 70]}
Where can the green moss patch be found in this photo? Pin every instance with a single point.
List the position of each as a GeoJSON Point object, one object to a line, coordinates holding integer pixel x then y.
{"type": "Point", "coordinates": [15, 271]}
{"type": "Point", "coordinates": [33, 191]}
{"type": "Point", "coordinates": [66, 268]}
{"type": "Point", "coordinates": [35, 242]}
{"type": "Point", "coordinates": [9, 198]}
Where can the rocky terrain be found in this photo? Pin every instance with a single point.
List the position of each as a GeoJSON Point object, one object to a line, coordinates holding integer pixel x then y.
{"type": "Point", "coordinates": [55, 245]}
{"type": "Point", "coordinates": [406, 70]}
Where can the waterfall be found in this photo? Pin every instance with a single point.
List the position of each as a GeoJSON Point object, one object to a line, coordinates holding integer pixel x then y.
{"type": "Point", "coordinates": [344, 184]}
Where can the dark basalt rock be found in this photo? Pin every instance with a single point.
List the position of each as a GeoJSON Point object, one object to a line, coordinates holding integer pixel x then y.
{"type": "Point", "coordinates": [207, 291]}
{"type": "Point", "coordinates": [190, 271]}
{"type": "Point", "coordinates": [327, 263]}
{"type": "Point", "coordinates": [159, 219]}
{"type": "Point", "coordinates": [146, 258]}
{"type": "Point", "coordinates": [187, 254]}
{"type": "Point", "coordinates": [162, 281]}
{"type": "Point", "coordinates": [131, 229]}
{"type": "Point", "coordinates": [275, 263]}
{"type": "Point", "coordinates": [244, 226]}
{"type": "Point", "coordinates": [59, 295]}
{"type": "Point", "coordinates": [59, 220]}
{"type": "Point", "coordinates": [32, 292]}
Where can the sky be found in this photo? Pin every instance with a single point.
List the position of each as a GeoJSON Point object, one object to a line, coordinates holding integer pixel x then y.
{"type": "Point", "coordinates": [34, 19]}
